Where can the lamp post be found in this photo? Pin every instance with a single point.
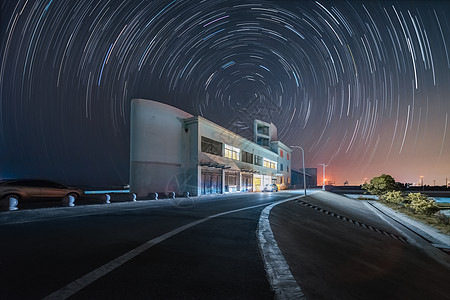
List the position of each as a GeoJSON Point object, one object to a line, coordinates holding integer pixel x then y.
{"type": "Point", "coordinates": [304, 174]}
{"type": "Point", "coordinates": [323, 182]}
{"type": "Point", "coordinates": [421, 182]}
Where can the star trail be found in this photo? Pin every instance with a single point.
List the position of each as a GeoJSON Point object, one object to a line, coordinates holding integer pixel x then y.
{"type": "Point", "coordinates": [362, 86]}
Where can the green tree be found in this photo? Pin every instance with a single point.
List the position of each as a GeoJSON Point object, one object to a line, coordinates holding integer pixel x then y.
{"type": "Point", "coordinates": [380, 185]}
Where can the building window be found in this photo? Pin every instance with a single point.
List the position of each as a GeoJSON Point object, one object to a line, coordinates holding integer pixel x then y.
{"type": "Point", "coordinates": [258, 160]}
{"type": "Point", "coordinates": [262, 129]}
{"type": "Point", "coordinates": [281, 152]}
{"type": "Point", "coordinates": [247, 157]}
{"type": "Point", "coordinates": [232, 152]}
{"type": "Point", "coordinates": [287, 156]}
{"type": "Point", "coordinates": [269, 164]}
{"type": "Point", "coordinates": [289, 180]}
{"type": "Point", "coordinates": [211, 146]}
{"type": "Point", "coordinates": [281, 167]}
{"type": "Point", "coordinates": [262, 141]}
{"type": "Point", "coordinates": [287, 168]}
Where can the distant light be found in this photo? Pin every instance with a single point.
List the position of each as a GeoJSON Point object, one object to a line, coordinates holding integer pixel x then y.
{"type": "Point", "coordinates": [105, 192]}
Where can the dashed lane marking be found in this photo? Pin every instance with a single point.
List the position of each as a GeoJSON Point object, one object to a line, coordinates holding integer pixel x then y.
{"type": "Point", "coordinates": [384, 232]}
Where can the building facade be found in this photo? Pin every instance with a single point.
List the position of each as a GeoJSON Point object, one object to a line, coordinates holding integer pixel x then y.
{"type": "Point", "coordinates": [174, 151]}
{"type": "Point", "coordinates": [310, 175]}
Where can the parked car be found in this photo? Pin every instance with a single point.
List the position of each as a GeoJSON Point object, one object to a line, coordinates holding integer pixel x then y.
{"type": "Point", "coordinates": [24, 189]}
{"type": "Point", "coordinates": [271, 188]}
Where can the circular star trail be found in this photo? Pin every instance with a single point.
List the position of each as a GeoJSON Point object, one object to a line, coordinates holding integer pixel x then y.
{"type": "Point", "coordinates": [362, 86]}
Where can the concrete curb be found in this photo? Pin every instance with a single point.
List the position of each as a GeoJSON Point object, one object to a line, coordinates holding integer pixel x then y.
{"type": "Point", "coordinates": [426, 231]}
{"type": "Point", "coordinates": [279, 275]}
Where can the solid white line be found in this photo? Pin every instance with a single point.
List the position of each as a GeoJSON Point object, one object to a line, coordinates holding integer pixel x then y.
{"type": "Point", "coordinates": [87, 279]}
{"type": "Point", "coordinates": [280, 277]}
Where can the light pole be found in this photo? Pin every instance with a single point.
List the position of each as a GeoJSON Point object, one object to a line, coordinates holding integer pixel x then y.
{"type": "Point", "coordinates": [304, 175]}
{"type": "Point", "coordinates": [323, 182]}
{"type": "Point", "coordinates": [421, 182]}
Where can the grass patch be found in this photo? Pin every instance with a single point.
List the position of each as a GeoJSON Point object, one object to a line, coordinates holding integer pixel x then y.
{"type": "Point", "coordinates": [432, 220]}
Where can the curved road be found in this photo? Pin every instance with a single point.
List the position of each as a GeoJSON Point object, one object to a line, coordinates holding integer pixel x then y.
{"type": "Point", "coordinates": [47, 250]}
{"type": "Point", "coordinates": [207, 248]}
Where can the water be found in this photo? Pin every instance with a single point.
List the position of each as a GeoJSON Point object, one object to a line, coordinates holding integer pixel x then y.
{"type": "Point", "coordinates": [441, 199]}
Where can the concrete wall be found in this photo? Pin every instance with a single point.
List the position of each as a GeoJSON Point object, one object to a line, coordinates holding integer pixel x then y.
{"type": "Point", "coordinates": [158, 153]}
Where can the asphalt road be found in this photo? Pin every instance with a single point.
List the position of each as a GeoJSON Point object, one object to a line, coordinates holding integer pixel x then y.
{"type": "Point", "coordinates": [359, 257]}
{"type": "Point", "coordinates": [45, 250]}
{"type": "Point", "coordinates": [206, 248]}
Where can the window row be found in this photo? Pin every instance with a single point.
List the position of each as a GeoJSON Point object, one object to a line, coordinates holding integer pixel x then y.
{"type": "Point", "coordinates": [269, 164]}
{"type": "Point", "coordinates": [215, 147]}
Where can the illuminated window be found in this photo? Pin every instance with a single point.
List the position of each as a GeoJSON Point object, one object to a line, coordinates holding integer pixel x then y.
{"type": "Point", "coordinates": [232, 152]}
{"type": "Point", "coordinates": [269, 164]}
{"type": "Point", "coordinates": [281, 152]}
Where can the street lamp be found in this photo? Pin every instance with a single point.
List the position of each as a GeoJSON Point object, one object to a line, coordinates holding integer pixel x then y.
{"type": "Point", "coordinates": [323, 184]}
{"type": "Point", "coordinates": [304, 175]}
{"type": "Point", "coordinates": [421, 182]}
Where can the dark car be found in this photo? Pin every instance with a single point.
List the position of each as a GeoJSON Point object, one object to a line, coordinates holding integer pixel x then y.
{"type": "Point", "coordinates": [34, 189]}
{"type": "Point", "coordinates": [271, 188]}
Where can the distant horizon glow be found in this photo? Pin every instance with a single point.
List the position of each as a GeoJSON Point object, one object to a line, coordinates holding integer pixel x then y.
{"type": "Point", "coordinates": [362, 86]}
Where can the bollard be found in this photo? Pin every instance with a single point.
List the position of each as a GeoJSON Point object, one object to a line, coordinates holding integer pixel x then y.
{"type": "Point", "coordinates": [68, 200]}
{"type": "Point", "coordinates": [107, 199]}
{"type": "Point", "coordinates": [13, 203]}
{"type": "Point", "coordinates": [133, 197]}
{"type": "Point", "coordinates": [71, 201]}
{"type": "Point", "coordinates": [156, 196]}
{"type": "Point", "coordinates": [173, 195]}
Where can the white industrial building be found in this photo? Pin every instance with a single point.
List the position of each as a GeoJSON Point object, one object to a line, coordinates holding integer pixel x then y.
{"type": "Point", "coordinates": [174, 151]}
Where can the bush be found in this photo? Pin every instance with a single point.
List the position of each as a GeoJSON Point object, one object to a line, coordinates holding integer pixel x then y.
{"type": "Point", "coordinates": [421, 204]}
{"type": "Point", "coordinates": [443, 218]}
{"type": "Point", "coordinates": [393, 197]}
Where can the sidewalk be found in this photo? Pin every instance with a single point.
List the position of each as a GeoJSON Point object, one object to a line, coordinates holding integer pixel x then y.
{"type": "Point", "coordinates": [438, 239]}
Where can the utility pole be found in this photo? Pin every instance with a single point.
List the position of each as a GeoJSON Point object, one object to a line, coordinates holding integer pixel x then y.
{"type": "Point", "coordinates": [323, 182]}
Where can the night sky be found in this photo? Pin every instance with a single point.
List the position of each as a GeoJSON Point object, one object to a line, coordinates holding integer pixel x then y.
{"type": "Point", "coordinates": [362, 86]}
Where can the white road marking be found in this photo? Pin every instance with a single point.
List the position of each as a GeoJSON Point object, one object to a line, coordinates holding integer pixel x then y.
{"type": "Point", "coordinates": [75, 286]}
{"type": "Point", "coordinates": [280, 277]}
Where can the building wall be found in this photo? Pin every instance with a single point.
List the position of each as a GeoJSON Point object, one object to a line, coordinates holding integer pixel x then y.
{"type": "Point", "coordinates": [166, 155]}
{"type": "Point", "coordinates": [284, 159]}
{"type": "Point", "coordinates": [311, 178]}
{"type": "Point", "coordinates": [157, 148]}
{"type": "Point", "coordinates": [215, 132]}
